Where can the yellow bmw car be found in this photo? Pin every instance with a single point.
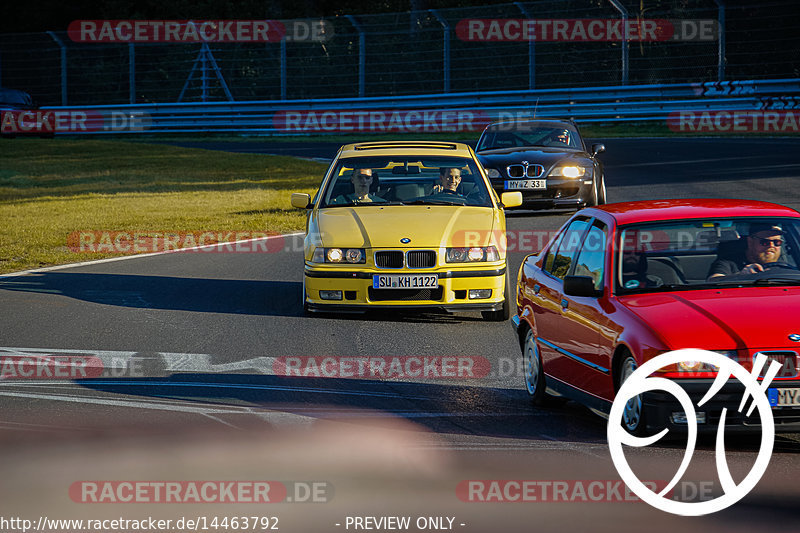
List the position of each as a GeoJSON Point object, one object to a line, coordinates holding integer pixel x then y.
{"type": "Point", "coordinates": [406, 225]}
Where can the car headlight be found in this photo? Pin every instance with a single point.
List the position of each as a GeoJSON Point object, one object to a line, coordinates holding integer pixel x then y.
{"type": "Point", "coordinates": [695, 366]}
{"type": "Point", "coordinates": [492, 172]}
{"type": "Point", "coordinates": [568, 171]}
{"type": "Point", "coordinates": [472, 255]}
{"type": "Point", "coordinates": [339, 255]}
{"type": "Point", "coordinates": [699, 366]}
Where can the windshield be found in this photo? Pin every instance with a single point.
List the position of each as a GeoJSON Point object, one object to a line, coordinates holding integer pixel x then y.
{"type": "Point", "coordinates": [407, 180]}
{"type": "Point", "coordinates": [694, 254]}
{"type": "Point", "coordinates": [513, 135]}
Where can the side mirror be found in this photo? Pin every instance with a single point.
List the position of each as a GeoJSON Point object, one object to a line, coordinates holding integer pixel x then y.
{"type": "Point", "coordinates": [580, 286]}
{"type": "Point", "coordinates": [511, 199]}
{"type": "Point", "coordinates": [301, 200]}
{"type": "Point", "coordinates": [598, 148]}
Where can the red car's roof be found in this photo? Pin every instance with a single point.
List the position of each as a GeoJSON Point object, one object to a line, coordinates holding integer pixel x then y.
{"type": "Point", "coordinates": [652, 210]}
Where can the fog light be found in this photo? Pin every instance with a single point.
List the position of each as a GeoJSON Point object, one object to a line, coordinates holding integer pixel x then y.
{"type": "Point", "coordinates": [330, 295]}
{"type": "Point", "coordinates": [680, 418]}
{"type": "Point", "coordinates": [475, 294]}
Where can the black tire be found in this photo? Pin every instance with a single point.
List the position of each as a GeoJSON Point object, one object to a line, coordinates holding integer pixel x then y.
{"type": "Point", "coordinates": [504, 313]}
{"type": "Point", "coordinates": [633, 414]}
{"type": "Point", "coordinates": [534, 371]}
{"type": "Point", "coordinates": [535, 382]}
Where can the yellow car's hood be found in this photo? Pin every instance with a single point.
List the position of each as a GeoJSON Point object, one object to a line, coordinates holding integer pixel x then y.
{"type": "Point", "coordinates": [426, 226]}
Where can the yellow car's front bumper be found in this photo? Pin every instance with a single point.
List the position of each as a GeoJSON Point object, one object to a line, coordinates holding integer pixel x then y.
{"type": "Point", "coordinates": [451, 294]}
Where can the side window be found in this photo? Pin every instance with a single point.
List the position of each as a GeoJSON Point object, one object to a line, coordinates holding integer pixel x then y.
{"type": "Point", "coordinates": [567, 249]}
{"type": "Point", "coordinates": [591, 259]}
{"type": "Point", "coordinates": [551, 253]}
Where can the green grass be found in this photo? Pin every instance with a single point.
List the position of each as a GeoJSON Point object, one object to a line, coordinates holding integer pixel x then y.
{"type": "Point", "coordinates": [50, 188]}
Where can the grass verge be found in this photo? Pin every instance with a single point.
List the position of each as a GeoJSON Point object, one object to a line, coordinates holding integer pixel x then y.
{"type": "Point", "coordinates": [51, 188]}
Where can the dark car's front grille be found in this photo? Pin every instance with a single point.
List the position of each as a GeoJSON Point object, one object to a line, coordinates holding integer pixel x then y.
{"type": "Point", "coordinates": [389, 259]}
{"type": "Point", "coordinates": [525, 171]}
{"type": "Point", "coordinates": [413, 295]}
{"type": "Point", "coordinates": [421, 259]}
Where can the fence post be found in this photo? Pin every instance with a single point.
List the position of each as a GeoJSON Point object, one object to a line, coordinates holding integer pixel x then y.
{"type": "Point", "coordinates": [624, 12]}
{"type": "Point", "coordinates": [446, 47]}
{"type": "Point", "coordinates": [131, 74]}
{"type": "Point", "coordinates": [362, 54]}
{"type": "Point", "coordinates": [63, 67]}
{"type": "Point", "coordinates": [531, 51]}
{"type": "Point", "coordinates": [721, 41]}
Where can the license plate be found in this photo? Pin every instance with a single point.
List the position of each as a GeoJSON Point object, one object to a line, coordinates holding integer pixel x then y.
{"type": "Point", "coordinates": [784, 397]}
{"type": "Point", "coordinates": [526, 184]}
{"type": "Point", "coordinates": [402, 281]}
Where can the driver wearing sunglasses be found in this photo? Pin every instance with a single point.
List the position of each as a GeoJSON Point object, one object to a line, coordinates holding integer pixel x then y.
{"type": "Point", "coordinates": [763, 246]}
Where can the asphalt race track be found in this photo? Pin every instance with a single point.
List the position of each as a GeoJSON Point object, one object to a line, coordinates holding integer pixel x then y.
{"type": "Point", "coordinates": [190, 344]}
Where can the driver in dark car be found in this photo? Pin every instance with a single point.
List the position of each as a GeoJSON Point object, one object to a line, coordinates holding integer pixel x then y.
{"type": "Point", "coordinates": [559, 137]}
{"type": "Point", "coordinates": [748, 256]}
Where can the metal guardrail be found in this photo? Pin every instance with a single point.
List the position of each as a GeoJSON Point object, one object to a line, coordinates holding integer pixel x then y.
{"type": "Point", "coordinates": [450, 112]}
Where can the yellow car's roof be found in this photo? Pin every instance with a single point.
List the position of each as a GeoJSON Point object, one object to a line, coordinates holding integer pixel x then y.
{"type": "Point", "coordinates": [401, 148]}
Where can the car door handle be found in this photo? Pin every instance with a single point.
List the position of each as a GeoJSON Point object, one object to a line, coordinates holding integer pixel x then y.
{"type": "Point", "coordinates": [564, 304]}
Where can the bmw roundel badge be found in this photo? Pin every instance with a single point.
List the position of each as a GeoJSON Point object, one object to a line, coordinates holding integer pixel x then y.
{"type": "Point", "coordinates": [405, 240]}
{"type": "Point", "coordinates": [794, 337]}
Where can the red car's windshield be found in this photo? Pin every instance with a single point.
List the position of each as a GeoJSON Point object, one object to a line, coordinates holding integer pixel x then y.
{"type": "Point", "coordinates": [695, 253]}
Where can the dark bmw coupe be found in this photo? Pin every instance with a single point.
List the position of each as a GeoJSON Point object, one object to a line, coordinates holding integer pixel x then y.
{"type": "Point", "coordinates": [546, 160]}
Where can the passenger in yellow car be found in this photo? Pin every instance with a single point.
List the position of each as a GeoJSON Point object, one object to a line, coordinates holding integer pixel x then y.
{"type": "Point", "coordinates": [449, 180]}
{"type": "Point", "coordinates": [362, 179]}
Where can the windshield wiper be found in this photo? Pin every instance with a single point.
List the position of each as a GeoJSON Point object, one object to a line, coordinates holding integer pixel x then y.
{"type": "Point", "coordinates": [431, 202]}
{"type": "Point", "coordinates": [755, 282]}
{"type": "Point", "coordinates": [778, 281]}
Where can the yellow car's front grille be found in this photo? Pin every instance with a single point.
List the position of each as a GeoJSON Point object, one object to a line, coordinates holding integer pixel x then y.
{"type": "Point", "coordinates": [389, 259]}
{"type": "Point", "coordinates": [421, 259]}
{"type": "Point", "coordinates": [411, 259]}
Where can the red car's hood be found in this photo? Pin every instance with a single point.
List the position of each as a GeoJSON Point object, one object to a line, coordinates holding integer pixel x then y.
{"type": "Point", "coordinates": [724, 319]}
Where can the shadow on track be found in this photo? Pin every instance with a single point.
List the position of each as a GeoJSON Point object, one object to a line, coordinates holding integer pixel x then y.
{"type": "Point", "coordinates": [451, 409]}
{"type": "Point", "coordinates": [448, 409]}
{"type": "Point", "coordinates": [203, 295]}
{"type": "Point", "coordinates": [254, 297]}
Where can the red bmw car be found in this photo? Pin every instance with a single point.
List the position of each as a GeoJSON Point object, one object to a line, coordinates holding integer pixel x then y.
{"type": "Point", "coordinates": [623, 283]}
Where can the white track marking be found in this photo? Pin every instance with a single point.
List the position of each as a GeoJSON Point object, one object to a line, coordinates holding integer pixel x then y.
{"type": "Point", "coordinates": [139, 256]}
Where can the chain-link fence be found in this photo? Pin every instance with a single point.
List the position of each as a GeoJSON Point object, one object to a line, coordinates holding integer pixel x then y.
{"type": "Point", "coordinates": [497, 47]}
